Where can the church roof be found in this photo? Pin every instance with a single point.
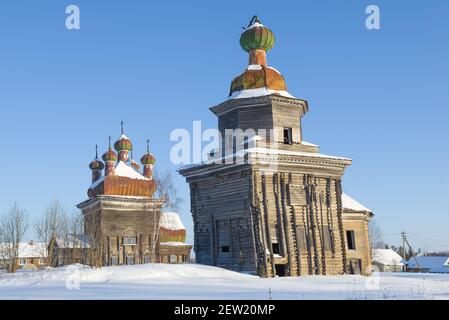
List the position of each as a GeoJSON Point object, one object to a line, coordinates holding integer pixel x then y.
{"type": "Point", "coordinates": [171, 221]}
{"type": "Point", "coordinates": [171, 228]}
{"type": "Point", "coordinates": [126, 181]}
{"type": "Point", "coordinates": [123, 170]}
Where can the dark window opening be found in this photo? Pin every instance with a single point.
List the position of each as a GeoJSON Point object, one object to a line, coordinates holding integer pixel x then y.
{"type": "Point", "coordinates": [276, 249]}
{"type": "Point", "coordinates": [225, 249]}
{"type": "Point", "coordinates": [354, 267]}
{"type": "Point", "coordinates": [288, 136]}
{"type": "Point", "coordinates": [280, 270]}
{"type": "Point", "coordinates": [350, 238]}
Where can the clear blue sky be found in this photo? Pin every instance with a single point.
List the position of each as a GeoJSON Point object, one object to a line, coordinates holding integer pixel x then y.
{"type": "Point", "coordinates": [378, 97]}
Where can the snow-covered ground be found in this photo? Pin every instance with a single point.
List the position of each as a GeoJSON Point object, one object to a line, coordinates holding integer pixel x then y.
{"type": "Point", "coordinates": [189, 281]}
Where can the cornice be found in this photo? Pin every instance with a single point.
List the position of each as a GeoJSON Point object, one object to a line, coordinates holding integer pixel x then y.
{"type": "Point", "coordinates": [232, 104]}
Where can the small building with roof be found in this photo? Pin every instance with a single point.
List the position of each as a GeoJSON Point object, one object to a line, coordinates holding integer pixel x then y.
{"type": "Point", "coordinates": [356, 218]}
{"type": "Point", "coordinates": [387, 260]}
{"type": "Point", "coordinates": [31, 256]}
{"type": "Point", "coordinates": [430, 264]}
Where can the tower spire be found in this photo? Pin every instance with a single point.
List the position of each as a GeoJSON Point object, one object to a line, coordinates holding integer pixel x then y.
{"type": "Point", "coordinates": [148, 145]}
{"type": "Point", "coordinates": [121, 127]}
{"type": "Point", "coordinates": [109, 142]}
{"type": "Point", "coordinates": [96, 151]}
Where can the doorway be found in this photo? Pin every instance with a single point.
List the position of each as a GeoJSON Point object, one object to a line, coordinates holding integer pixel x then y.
{"type": "Point", "coordinates": [280, 270]}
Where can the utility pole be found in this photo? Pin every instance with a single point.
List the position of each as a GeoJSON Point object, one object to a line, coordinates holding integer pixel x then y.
{"type": "Point", "coordinates": [404, 242]}
{"type": "Point", "coordinates": [403, 249]}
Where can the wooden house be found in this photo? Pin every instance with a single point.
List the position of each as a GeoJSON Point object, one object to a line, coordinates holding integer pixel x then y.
{"type": "Point", "coordinates": [31, 256]}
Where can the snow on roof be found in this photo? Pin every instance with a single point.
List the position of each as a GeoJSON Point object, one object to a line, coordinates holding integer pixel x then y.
{"type": "Point", "coordinates": [73, 241]}
{"type": "Point", "coordinates": [255, 24]}
{"type": "Point", "coordinates": [174, 244]}
{"type": "Point", "coordinates": [123, 137]}
{"type": "Point", "coordinates": [123, 170]}
{"type": "Point", "coordinates": [259, 92]}
{"type": "Point", "coordinates": [305, 143]}
{"type": "Point", "coordinates": [437, 264]}
{"type": "Point", "coordinates": [32, 250]}
{"type": "Point", "coordinates": [254, 67]}
{"type": "Point", "coordinates": [287, 152]}
{"type": "Point", "coordinates": [387, 257]}
{"type": "Point", "coordinates": [269, 151]}
{"type": "Point", "coordinates": [171, 221]}
{"type": "Point", "coordinates": [351, 204]}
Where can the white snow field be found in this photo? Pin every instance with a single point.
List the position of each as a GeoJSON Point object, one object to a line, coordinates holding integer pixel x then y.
{"type": "Point", "coordinates": [191, 281]}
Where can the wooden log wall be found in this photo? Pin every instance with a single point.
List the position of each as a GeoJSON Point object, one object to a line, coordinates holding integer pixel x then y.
{"type": "Point", "coordinates": [301, 214]}
{"type": "Point", "coordinates": [242, 217]}
{"type": "Point", "coordinates": [221, 210]}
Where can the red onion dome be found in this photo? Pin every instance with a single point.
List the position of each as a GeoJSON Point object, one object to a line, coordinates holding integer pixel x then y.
{"type": "Point", "coordinates": [96, 165]}
{"type": "Point", "coordinates": [123, 143]}
{"type": "Point", "coordinates": [109, 155]}
{"type": "Point", "coordinates": [147, 159]}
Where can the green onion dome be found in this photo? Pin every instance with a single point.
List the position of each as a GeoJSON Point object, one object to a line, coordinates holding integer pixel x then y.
{"type": "Point", "coordinates": [109, 155]}
{"type": "Point", "coordinates": [123, 143]}
{"type": "Point", "coordinates": [96, 165]}
{"type": "Point", "coordinates": [257, 36]}
{"type": "Point", "coordinates": [147, 159]}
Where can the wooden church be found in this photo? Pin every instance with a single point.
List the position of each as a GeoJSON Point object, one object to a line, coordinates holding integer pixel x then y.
{"type": "Point", "coordinates": [270, 203]}
{"type": "Point", "coordinates": [123, 222]}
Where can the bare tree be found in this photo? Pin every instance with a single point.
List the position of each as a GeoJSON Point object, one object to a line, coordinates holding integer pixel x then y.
{"type": "Point", "coordinates": [75, 231]}
{"type": "Point", "coordinates": [13, 226]}
{"type": "Point", "coordinates": [375, 236]}
{"type": "Point", "coordinates": [166, 189]}
{"type": "Point", "coordinates": [94, 234]}
{"type": "Point", "coordinates": [50, 226]}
